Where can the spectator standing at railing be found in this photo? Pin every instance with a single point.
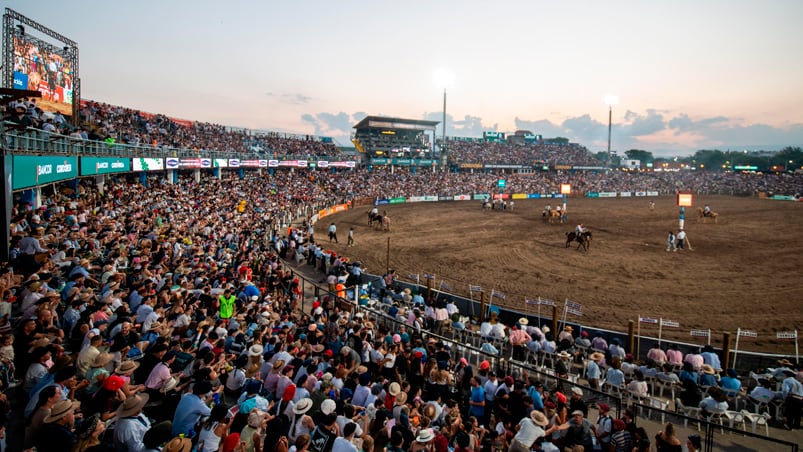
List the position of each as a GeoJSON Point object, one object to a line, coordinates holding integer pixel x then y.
{"type": "Point", "coordinates": [792, 392]}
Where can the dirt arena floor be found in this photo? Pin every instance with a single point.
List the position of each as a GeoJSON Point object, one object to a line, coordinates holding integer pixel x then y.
{"type": "Point", "coordinates": [743, 272]}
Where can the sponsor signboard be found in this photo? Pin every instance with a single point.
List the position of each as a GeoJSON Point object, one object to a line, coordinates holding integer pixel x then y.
{"type": "Point", "coordinates": [625, 194]}
{"type": "Point", "coordinates": [481, 196]}
{"type": "Point", "coordinates": [263, 163]}
{"type": "Point", "coordinates": [397, 200]}
{"type": "Point", "coordinates": [100, 165]}
{"type": "Point", "coordinates": [652, 193]}
{"type": "Point", "coordinates": [234, 163]}
{"type": "Point", "coordinates": [171, 163]}
{"type": "Point", "coordinates": [147, 164]}
{"type": "Point", "coordinates": [249, 163]}
{"type": "Point", "coordinates": [641, 193]}
{"type": "Point", "coordinates": [189, 163]}
{"type": "Point", "coordinates": [346, 164]}
{"type": "Point", "coordinates": [607, 194]}
{"type": "Point", "coordinates": [462, 198]}
{"type": "Point", "coordinates": [519, 196]}
{"type": "Point", "coordinates": [31, 171]}
{"type": "Point", "coordinates": [592, 194]}
{"type": "Point", "coordinates": [206, 163]}
{"type": "Point", "coordinates": [534, 196]}
{"type": "Point", "coordinates": [221, 163]}
{"type": "Point", "coordinates": [380, 161]}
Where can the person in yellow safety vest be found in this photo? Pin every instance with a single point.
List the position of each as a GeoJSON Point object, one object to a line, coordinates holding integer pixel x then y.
{"type": "Point", "coordinates": [226, 304]}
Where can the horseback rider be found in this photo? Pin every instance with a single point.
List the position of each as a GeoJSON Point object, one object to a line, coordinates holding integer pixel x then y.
{"type": "Point", "coordinates": [706, 211]}
{"type": "Point", "coordinates": [374, 212]}
{"type": "Point", "coordinates": [580, 229]}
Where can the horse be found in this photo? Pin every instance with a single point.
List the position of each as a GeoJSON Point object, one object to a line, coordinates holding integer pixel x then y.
{"type": "Point", "coordinates": [583, 239]}
{"type": "Point", "coordinates": [555, 215]}
{"type": "Point", "coordinates": [701, 216]}
{"type": "Point", "coordinates": [486, 205]}
{"type": "Point", "coordinates": [374, 218]}
{"type": "Point", "coordinates": [386, 223]}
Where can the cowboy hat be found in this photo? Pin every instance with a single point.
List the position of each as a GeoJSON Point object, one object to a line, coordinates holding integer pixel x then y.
{"type": "Point", "coordinates": [60, 409]}
{"type": "Point", "coordinates": [785, 362]}
{"type": "Point", "coordinates": [394, 389]}
{"type": "Point", "coordinates": [126, 367]}
{"type": "Point", "coordinates": [328, 406]}
{"type": "Point", "coordinates": [132, 405]}
{"type": "Point", "coordinates": [255, 350]}
{"type": "Point", "coordinates": [303, 406]}
{"type": "Point", "coordinates": [278, 364]}
{"type": "Point", "coordinates": [178, 444]}
{"type": "Point", "coordinates": [425, 435]}
{"type": "Point", "coordinates": [564, 354]}
{"type": "Point", "coordinates": [539, 418]}
{"type": "Point", "coordinates": [401, 399]}
{"type": "Point", "coordinates": [523, 321]}
{"type": "Point", "coordinates": [596, 356]}
{"type": "Point", "coordinates": [707, 369]}
{"type": "Point", "coordinates": [317, 348]}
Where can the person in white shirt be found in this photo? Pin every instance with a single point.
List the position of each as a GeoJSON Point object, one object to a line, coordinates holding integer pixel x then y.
{"type": "Point", "coordinates": [344, 443]}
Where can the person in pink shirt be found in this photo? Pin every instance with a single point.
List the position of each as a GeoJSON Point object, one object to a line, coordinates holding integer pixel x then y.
{"type": "Point", "coordinates": [656, 354]}
{"type": "Point", "coordinates": [674, 356]}
{"type": "Point", "coordinates": [519, 339]}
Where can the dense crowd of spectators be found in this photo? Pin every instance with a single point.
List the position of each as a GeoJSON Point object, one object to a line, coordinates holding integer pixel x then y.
{"type": "Point", "coordinates": [168, 313]}
{"type": "Point", "coordinates": [520, 154]}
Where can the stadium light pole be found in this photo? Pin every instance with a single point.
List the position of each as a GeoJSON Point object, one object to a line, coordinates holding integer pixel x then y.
{"type": "Point", "coordinates": [610, 101]}
{"type": "Point", "coordinates": [444, 79]}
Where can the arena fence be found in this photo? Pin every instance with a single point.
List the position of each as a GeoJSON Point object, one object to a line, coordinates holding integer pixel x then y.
{"type": "Point", "coordinates": [718, 433]}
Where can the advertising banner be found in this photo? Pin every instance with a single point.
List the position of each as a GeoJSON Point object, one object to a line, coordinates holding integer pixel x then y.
{"type": "Point", "coordinates": [273, 163]}
{"type": "Point", "coordinates": [381, 201]}
{"type": "Point", "coordinates": [625, 194]}
{"type": "Point", "coordinates": [99, 165]}
{"type": "Point", "coordinates": [346, 164]}
{"type": "Point", "coordinates": [147, 164]}
{"type": "Point", "coordinates": [221, 163]}
{"type": "Point", "coordinates": [189, 163]}
{"type": "Point", "coordinates": [607, 194]}
{"type": "Point", "coordinates": [462, 198]}
{"type": "Point", "coordinates": [641, 193]}
{"type": "Point", "coordinates": [534, 196]}
{"type": "Point", "coordinates": [652, 193]}
{"type": "Point", "coordinates": [249, 163]}
{"type": "Point", "coordinates": [592, 194]}
{"type": "Point", "coordinates": [31, 171]}
{"type": "Point", "coordinates": [172, 163]}
{"type": "Point", "coordinates": [481, 196]}
{"type": "Point", "coordinates": [519, 196]}
{"type": "Point", "coordinates": [263, 163]}
{"type": "Point", "coordinates": [381, 161]}
{"type": "Point", "coordinates": [234, 163]}
{"type": "Point", "coordinates": [415, 199]}
{"type": "Point", "coordinates": [206, 163]}
{"type": "Point", "coordinates": [402, 162]}
{"type": "Point", "coordinates": [397, 200]}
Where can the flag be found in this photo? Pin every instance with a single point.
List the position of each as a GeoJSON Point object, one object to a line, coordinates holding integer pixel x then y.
{"type": "Point", "coordinates": [445, 286]}
{"type": "Point", "coordinates": [532, 302]}
{"type": "Point", "coordinates": [649, 320]}
{"type": "Point", "coordinates": [474, 288]}
{"type": "Point", "coordinates": [786, 335]}
{"type": "Point", "coordinates": [545, 302]}
{"type": "Point", "coordinates": [574, 308]}
{"type": "Point", "coordinates": [429, 276]}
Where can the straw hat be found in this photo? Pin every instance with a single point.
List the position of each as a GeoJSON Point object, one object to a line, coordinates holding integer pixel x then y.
{"type": "Point", "coordinates": [707, 369]}
{"type": "Point", "coordinates": [303, 406]}
{"type": "Point", "coordinates": [401, 399]}
{"type": "Point", "coordinates": [132, 405]}
{"type": "Point", "coordinates": [317, 348]}
{"type": "Point", "coordinates": [127, 367]}
{"type": "Point", "coordinates": [255, 350]}
{"type": "Point", "coordinates": [394, 389]}
{"type": "Point", "coordinates": [178, 445]}
{"type": "Point", "coordinates": [539, 418]}
{"type": "Point", "coordinates": [61, 409]}
{"type": "Point", "coordinates": [523, 321]}
{"type": "Point", "coordinates": [425, 435]}
{"type": "Point", "coordinates": [328, 406]}
{"type": "Point", "coordinates": [169, 385]}
{"type": "Point", "coordinates": [278, 364]}
{"type": "Point", "coordinates": [597, 356]}
{"type": "Point", "coordinates": [564, 354]}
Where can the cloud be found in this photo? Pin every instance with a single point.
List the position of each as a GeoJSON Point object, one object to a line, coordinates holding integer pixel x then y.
{"type": "Point", "coordinates": [640, 125]}
{"type": "Point", "coordinates": [290, 98]}
{"type": "Point", "coordinates": [468, 126]}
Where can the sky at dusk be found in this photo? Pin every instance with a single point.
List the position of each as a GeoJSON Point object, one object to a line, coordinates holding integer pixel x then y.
{"type": "Point", "coordinates": [689, 75]}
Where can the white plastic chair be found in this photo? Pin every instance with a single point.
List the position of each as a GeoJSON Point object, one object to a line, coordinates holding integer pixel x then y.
{"type": "Point", "coordinates": [755, 420]}
{"type": "Point", "coordinates": [662, 405]}
{"type": "Point", "coordinates": [689, 411]}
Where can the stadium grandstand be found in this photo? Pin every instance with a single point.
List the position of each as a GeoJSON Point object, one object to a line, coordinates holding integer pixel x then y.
{"type": "Point", "coordinates": [167, 279]}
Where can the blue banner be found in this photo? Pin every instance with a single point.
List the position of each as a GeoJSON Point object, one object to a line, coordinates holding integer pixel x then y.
{"type": "Point", "coordinates": [20, 80]}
